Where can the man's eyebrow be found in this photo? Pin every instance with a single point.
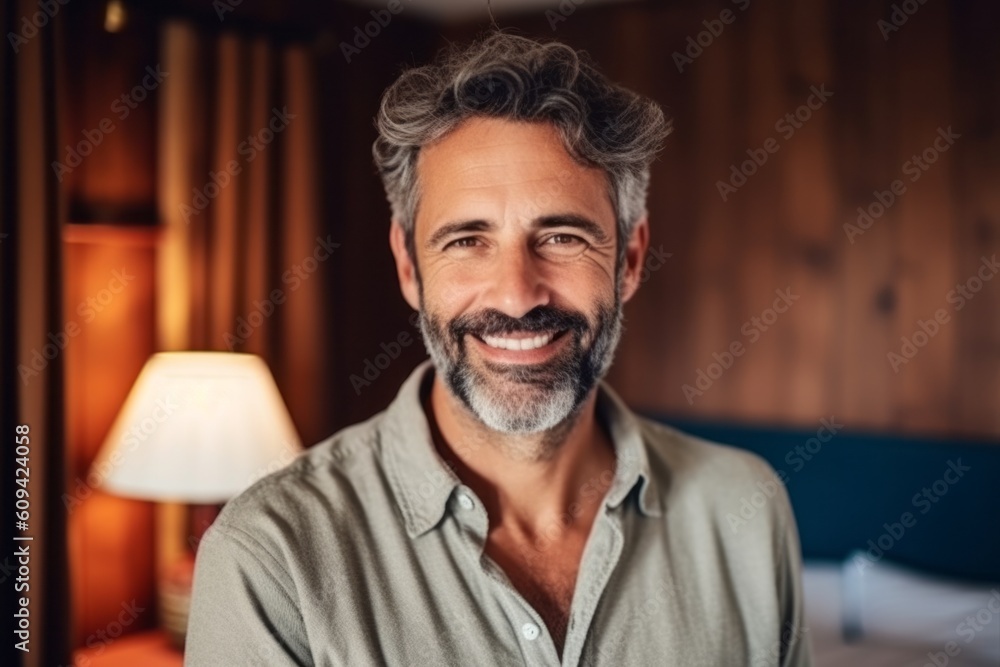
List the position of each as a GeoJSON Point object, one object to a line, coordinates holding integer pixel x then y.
{"type": "Point", "coordinates": [578, 221]}
{"type": "Point", "coordinates": [444, 231]}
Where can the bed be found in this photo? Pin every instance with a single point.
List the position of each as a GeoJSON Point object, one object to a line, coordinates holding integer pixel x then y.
{"type": "Point", "coordinates": [890, 615]}
{"type": "Point", "coordinates": [901, 539]}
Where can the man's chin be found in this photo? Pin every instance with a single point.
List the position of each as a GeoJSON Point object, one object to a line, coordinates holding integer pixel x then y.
{"type": "Point", "coordinates": [519, 399]}
{"type": "Point", "coordinates": [522, 413]}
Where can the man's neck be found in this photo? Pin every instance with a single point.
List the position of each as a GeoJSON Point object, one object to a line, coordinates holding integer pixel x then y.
{"type": "Point", "coordinates": [527, 482]}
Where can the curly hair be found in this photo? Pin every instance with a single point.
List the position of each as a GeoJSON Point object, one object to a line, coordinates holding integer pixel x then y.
{"type": "Point", "coordinates": [515, 78]}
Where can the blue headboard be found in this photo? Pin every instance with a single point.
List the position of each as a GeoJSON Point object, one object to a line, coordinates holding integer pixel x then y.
{"type": "Point", "coordinates": [845, 490]}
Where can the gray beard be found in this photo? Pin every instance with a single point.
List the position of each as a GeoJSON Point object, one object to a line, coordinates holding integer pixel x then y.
{"type": "Point", "coordinates": [517, 399]}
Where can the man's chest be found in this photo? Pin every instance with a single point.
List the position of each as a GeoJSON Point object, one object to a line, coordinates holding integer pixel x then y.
{"type": "Point", "coordinates": [543, 571]}
{"type": "Point", "coordinates": [624, 599]}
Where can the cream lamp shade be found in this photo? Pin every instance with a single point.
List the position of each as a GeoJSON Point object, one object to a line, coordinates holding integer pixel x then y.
{"type": "Point", "coordinates": [197, 427]}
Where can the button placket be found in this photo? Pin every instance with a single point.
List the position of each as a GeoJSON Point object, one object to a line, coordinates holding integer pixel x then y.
{"type": "Point", "coordinates": [598, 564]}
{"type": "Point", "coordinates": [537, 649]}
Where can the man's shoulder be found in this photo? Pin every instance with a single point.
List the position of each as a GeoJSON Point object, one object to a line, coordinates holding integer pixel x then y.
{"type": "Point", "coordinates": [721, 477]}
{"type": "Point", "coordinates": [698, 456]}
{"type": "Point", "coordinates": [330, 478]}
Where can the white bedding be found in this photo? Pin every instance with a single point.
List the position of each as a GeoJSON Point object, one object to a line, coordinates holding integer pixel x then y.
{"type": "Point", "coordinates": [906, 619]}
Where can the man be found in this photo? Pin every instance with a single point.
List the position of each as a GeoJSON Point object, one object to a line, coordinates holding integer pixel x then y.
{"type": "Point", "coordinates": [507, 508]}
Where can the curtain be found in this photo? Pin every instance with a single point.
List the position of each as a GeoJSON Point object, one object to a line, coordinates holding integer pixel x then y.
{"type": "Point", "coordinates": [243, 259]}
{"type": "Point", "coordinates": [30, 334]}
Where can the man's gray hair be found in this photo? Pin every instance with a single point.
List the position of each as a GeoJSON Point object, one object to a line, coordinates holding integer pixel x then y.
{"type": "Point", "coordinates": [514, 78]}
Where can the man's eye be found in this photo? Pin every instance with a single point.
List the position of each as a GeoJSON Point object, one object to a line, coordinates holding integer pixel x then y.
{"type": "Point", "coordinates": [564, 240]}
{"type": "Point", "coordinates": [465, 242]}
{"type": "Point", "coordinates": [562, 246]}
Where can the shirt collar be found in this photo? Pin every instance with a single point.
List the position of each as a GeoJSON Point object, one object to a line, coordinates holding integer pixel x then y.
{"type": "Point", "coordinates": [422, 482]}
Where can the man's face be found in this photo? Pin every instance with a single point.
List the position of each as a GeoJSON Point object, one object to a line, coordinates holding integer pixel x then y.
{"type": "Point", "coordinates": [516, 246]}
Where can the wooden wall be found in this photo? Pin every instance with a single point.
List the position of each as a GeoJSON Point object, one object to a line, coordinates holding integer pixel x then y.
{"type": "Point", "coordinates": [858, 295]}
{"type": "Point", "coordinates": [109, 267]}
{"type": "Point", "coordinates": [108, 311]}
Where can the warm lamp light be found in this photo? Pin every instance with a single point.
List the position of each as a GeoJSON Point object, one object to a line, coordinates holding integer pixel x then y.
{"type": "Point", "coordinates": [197, 428]}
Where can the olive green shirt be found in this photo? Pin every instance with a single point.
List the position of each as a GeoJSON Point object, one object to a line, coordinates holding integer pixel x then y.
{"type": "Point", "coordinates": [368, 550]}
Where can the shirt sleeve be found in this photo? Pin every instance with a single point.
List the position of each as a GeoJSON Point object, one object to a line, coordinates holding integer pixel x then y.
{"type": "Point", "coordinates": [243, 608]}
{"type": "Point", "coordinates": [795, 644]}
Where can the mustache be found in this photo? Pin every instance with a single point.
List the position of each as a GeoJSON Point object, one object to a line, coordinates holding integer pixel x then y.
{"type": "Point", "coordinates": [491, 322]}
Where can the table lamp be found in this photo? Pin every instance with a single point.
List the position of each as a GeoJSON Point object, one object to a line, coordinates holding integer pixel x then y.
{"type": "Point", "coordinates": [196, 428]}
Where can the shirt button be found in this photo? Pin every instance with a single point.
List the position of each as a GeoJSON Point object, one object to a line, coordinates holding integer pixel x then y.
{"type": "Point", "coordinates": [466, 502]}
{"type": "Point", "coordinates": [529, 631]}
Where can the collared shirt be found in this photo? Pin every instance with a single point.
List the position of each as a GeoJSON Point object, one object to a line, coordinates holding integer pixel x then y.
{"type": "Point", "coordinates": [368, 550]}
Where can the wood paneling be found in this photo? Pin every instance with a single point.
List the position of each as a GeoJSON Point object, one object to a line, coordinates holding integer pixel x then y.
{"type": "Point", "coordinates": [108, 115]}
{"type": "Point", "coordinates": [892, 91]}
{"type": "Point", "coordinates": [108, 311]}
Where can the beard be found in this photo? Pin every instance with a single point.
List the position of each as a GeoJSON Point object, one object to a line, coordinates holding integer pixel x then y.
{"type": "Point", "coordinates": [524, 398]}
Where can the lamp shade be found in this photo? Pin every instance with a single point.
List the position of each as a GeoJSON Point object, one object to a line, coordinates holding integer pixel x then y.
{"type": "Point", "coordinates": [197, 427]}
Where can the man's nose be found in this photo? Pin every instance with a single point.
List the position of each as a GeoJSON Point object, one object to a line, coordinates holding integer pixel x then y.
{"type": "Point", "coordinates": [517, 284]}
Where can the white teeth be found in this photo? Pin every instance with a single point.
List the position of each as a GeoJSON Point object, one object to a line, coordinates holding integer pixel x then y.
{"type": "Point", "coordinates": [518, 343]}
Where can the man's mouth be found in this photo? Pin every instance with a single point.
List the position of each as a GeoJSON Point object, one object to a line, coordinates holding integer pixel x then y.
{"type": "Point", "coordinates": [521, 341]}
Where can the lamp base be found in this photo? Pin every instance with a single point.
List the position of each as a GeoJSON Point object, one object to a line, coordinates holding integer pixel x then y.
{"type": "Point", "coordinates": [174, 602]}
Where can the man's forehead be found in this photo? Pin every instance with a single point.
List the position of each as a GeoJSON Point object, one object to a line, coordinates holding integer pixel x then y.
{"type": "Point", "coordinates": [485, 153]}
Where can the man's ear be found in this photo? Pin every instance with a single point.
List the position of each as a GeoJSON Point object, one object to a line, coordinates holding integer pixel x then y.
{"type": "Point", "coordinates": [635, 256]}
{"type": "Point", "coordinates": [406, 269]}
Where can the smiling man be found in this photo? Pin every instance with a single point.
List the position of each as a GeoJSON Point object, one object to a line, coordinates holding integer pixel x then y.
{"type": "Point", "coordinates": [508, 508]}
